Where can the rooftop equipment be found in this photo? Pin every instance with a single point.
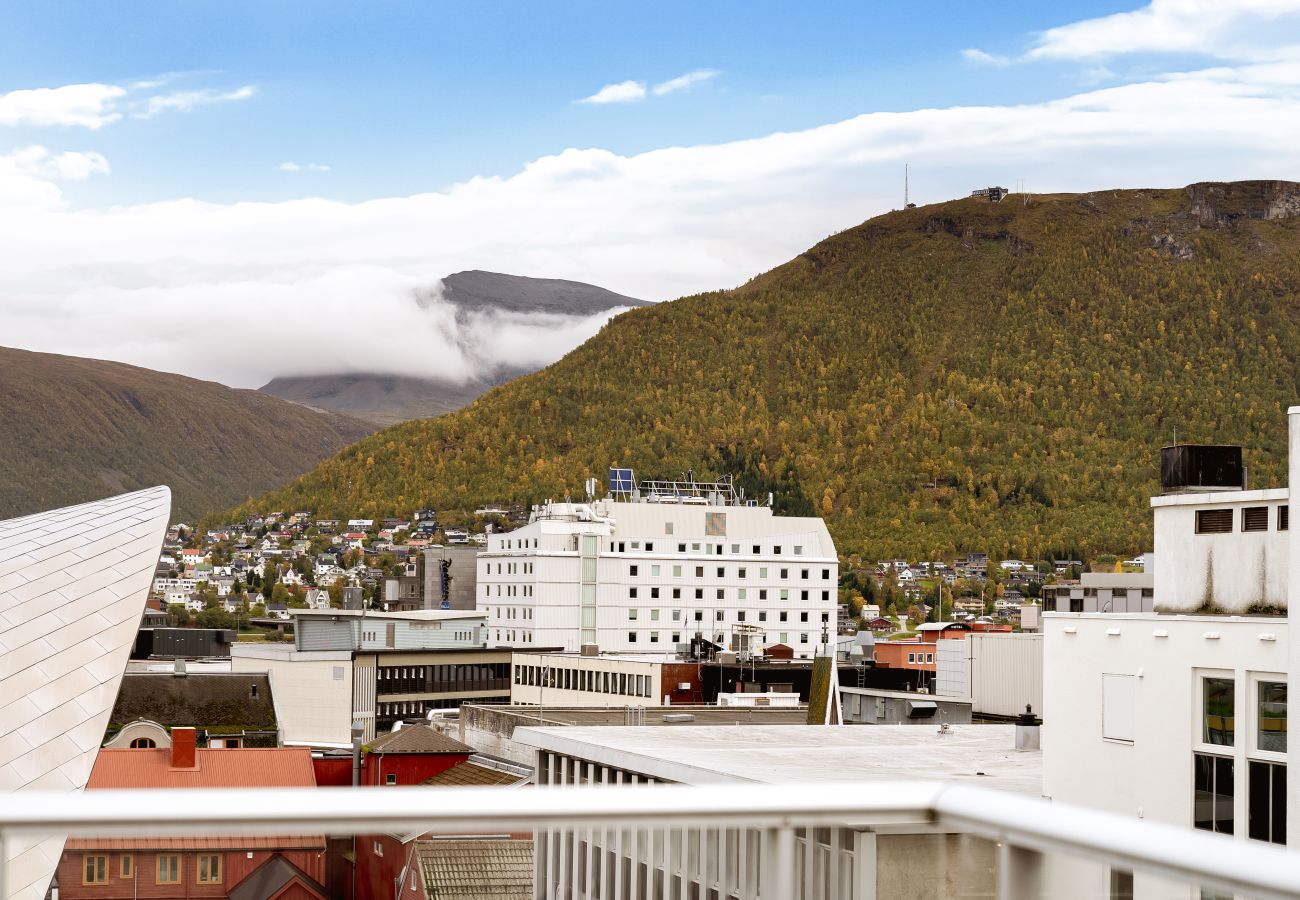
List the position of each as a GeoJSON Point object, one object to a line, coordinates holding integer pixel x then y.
{"type": "Point", "coordinates": [1201, 468]}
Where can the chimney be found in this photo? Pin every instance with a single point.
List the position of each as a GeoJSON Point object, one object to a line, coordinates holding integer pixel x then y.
{"type": "Point", "coordinates": [183, 753]}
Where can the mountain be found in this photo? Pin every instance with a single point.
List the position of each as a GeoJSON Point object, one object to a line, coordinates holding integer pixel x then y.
{"type": "Point", "coordinates": [388, 399]}
{"type": "Point", "coordinates": [80, 429]}
{"type": "Point", "coordinates": [964, 375]}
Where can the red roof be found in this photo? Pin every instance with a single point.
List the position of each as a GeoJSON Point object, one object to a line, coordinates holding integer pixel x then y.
{"type": "Point", "coordinates": [226, 768]}
{"type": "Point", "coordinates": [201, 842]}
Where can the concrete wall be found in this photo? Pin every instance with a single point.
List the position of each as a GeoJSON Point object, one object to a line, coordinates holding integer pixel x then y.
{"type": "Point", "coordinates": [313, 691]}
{"type": "Point", "coordinates": [1234, 570]}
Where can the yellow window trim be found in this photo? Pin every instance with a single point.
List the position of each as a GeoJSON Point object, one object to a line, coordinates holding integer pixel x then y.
{"type": "Point", "coordinates": [85, 860]}
{"type": "Point", "coordinates": [158, 870]}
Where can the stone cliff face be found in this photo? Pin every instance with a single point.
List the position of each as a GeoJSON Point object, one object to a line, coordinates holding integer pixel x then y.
{"type": "Point", "coordinates": [1216, 203]}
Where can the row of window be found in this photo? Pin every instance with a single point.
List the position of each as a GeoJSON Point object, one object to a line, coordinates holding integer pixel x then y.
{"type": "Point", "coordinates": [1219, 719]}
{"type": "Point", "coordinates": [574, 679]}
{"type": "Point", "coordinates": [518, 544]}
{"type": "Point", "coordinates": [1253, 518]}
{"type": "Point", "coordinates": [441, 679]}
{"type": "Point", "coordinates": [513, 637]}
{"type": "Point", "coordinates": [512, 568]}
{"type": "Point", "coordinates": [167, 870]}
{"type": "Point", "coordinates": [676, 637]}
{"type": "Point", "coordinates": [512, 590]}
{"type": "Point", "coordinates": [514, 612]}
{"type": "Point", "coordinates": [698, 547]}
{"type": "Point", "coordinates": [918, 658]}
{"type": "Point", "coordinates": [634, 593]}
{"type": "Point", "coordinates": [720, 615]}
{"type": "Point", "coordinates": [742, 572]}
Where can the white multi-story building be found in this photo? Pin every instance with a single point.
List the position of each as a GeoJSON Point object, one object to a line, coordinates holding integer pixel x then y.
{"type": "Point", "coordinates": [1179, 715]}
{"type": "Point", "coordinates": [650, 572]}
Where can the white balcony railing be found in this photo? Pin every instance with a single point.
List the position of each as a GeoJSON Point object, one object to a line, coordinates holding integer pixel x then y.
{"type": "Point", "coordinates": [1027, 832]}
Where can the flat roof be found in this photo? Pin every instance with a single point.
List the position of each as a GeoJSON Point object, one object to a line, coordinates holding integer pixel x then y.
{"type": "Point", "coordinates": [419, 615]}
{"type": "Point", "coordinates": [984, 755]}
{"type": "Point", "coordinates": [658, 658]}
{"type": "Point", "coordinates": [1211, 498]}
{"type": "Point", "coordinates": [654, 715]}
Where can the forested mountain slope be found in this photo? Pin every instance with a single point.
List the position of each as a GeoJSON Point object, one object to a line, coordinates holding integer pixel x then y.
{"type": "Point", "coordinates": [965, 375]}
{"type": "Point", "coordinates": [73, 430]}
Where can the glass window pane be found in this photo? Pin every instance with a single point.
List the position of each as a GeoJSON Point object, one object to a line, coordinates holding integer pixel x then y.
{"type": "Point", "coordinates": [1272, 716]}
{"type": "Point", "coordinates": [1257, 811]}
{"type": "Point", "coordinates": [1223, 793]}
{"type": "Point", "coordinates": [1279, 803]}
{"type": "Point", "coordinates": [1203, 797]}
{"type": "Point", "coordinates": [1219, 712]}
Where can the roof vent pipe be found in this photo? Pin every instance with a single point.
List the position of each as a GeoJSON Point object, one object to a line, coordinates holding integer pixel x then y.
{"type": "Point", "coordinates": [1027, 728]}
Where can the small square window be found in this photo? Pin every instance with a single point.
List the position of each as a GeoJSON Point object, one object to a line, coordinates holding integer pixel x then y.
{"type": "Point", "coordinates": [803, 617]}
{"type": "Point", "coordinates": [631, 614]}
{"type": "Point", "coordinates": [677, 593]}
{"type": "Point", "coordinates": [654, 593]}
{"type": "Point", "coordinates": [632, 570]}
{"type": "Point", "coordinates": [803, 638]}
{"type": "Point", "coordinates": [649, 547]}
{"type": "Point", "coordinates": [722, 572]}
{"type": "Point", "coordinates": [722, 594]}
{"type": "Point", "coordinates": [631, 637]}
{"type": "Point", "coordinates": [390, 779]}
{"type": "Point", "coordinates": [681, 548]}
{"type": "Point", "coordinates": [755, 550]}
{"type": "Point", "coordinates": [699, 593]}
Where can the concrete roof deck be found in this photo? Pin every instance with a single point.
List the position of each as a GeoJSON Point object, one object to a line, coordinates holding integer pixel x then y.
{"type": "Point", "coordinates": [983, 755]}
{"type": "Point", "coordinates": [654, 715]}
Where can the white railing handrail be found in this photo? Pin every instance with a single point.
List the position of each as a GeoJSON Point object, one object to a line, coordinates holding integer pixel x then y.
{"type": "Point", "coordinates": [1260, 870]}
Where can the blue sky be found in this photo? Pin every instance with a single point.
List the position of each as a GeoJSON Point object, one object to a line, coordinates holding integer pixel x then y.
{"type": "Point", "coordinates": [243, 190]}
{"type": "Point", "coordinates": [403, 97]}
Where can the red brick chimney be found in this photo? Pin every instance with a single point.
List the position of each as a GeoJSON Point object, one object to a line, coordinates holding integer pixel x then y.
{"type": "Point", "coordinates": [183, 755]}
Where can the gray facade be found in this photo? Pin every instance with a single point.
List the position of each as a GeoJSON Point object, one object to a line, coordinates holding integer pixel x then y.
{"type": "Point", "coordinates": [1103, 592]}
{"type": "Point", "coordinates": [879, 707]}
{"type": "Point", "coordinates": [416, 630]}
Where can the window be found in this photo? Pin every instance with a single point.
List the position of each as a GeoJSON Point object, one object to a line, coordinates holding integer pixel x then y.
{"type": "Point", "coordinates": [143, 743]}
{"type": "Point", "coordinates": [783, 616]}
{"type": "Point", "coordinates": [762, 593]}
{"type": "Point", "coordinates": [210, 868]}
{"type": "Point", "coordinates": [677, 593]}
{"type": "Point", "coordinates": [677, 615]}
{"type": "Point", "coordinates": [654, 639]}
{"type": "Point", "coordinates": [719, 615]}
{"type": "Point", "coordinates": [762, 571]}
{"type": "Point", "coordinates": [631, 592]}
{"type": "Point", "coordinates": [929, 657]}
{"type": "Point", "coordinates": [826, 573]}
{"type": "Point", "coordinates": [631, 637]}
{"type": "Point", "coordinates": [1219, 712]}
{"type": "Point", "coordinates": [785, 573]}
{"type": "Point", "coordinates": [740, 573]}
{"type": "Point", "coordinates": [654, 615]}
{"type": "Point", "coordinates": [654, 570]}
{"type": "Point", "coordinates": [95, 870]}
{"type": "Point", "coordinates": [654, 593]}
{"type": "Point", "coordinates": [722, 572]}
{"type": "Point", "coordinates": [803, 617]}
{"type": "Point", "coordinates": [762, 615]}
{"type": "Point", "coordinates": [699, 571]}
{"type": "Point", "coordinates": [699, 616]}
{"type": "Point", "coordinates": [911, 657]}
{"type": "Point", "coordinates": [755, 550]}
{"type": "Point", "coordinates": [1266, 810]}
{"type": "Point", "coordinates": [677, 571]}
{"type": "Point", "coordinates": [169, 869]}
{"type": "Point", "coordinates": [1254, 518]}
{"type": "Point", "coordinates": [677, 637]}
{"type": "Point", "coordinates": [740, 616]}
{"type": "Point", "coordinates": [803, 573]}
{"type": "Point", "coordinates": [785, 637]}
{"type": "Point", "coordinates": [631, 615]}
{"type": "Point", "coordinates": [631, 570]}
{"type": "Point", "coordinates": [390, 779]}
{"type": "Point", "coordinates": [722, 594]}
{"type": "Point", "coordinates": [1283, 518]}
{"type": "Point", "coordinates": [798, 551]}
{"type": "Point", "coordinates": [1212, 805]}
{"type": "Point", "coordinates": [1214, 521]}
{"type": "Point", "coordinates": [1272, 716]}
{"type": "Point", "coordinates": [803, 638]}
{"type": "Point", "coordinates": [1076, 604]}
{"type": "Point", "coordinates": [776, 551]}
{"type": "Point", "coordinates": [126, 865]}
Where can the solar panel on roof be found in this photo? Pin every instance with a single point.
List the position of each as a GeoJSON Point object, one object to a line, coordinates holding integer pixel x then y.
{"type": "Point", "coordinates": [621, 481]}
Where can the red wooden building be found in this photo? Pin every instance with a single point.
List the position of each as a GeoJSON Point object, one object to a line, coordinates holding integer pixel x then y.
{"type": "Point", "coordinates": [410, 755]}
{"type": "Point", "coordinates": [285, 867]}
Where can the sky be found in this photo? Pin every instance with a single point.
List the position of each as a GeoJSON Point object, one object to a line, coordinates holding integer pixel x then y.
{"type": "Point", "coordinates": [240, 190]}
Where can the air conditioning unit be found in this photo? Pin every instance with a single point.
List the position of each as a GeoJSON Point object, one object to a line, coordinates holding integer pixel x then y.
{"type": "Point", "coordinates": [683, 685]}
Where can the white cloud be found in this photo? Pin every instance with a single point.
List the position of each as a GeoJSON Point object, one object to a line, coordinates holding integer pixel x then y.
{"type": "Point", "coordinates": [985, 59]}
{"type": "Point", "coordinates": [1213, 27]}
{"type": "Point", "coordinates": [302, 167]}
{"type": "Point", "coordinates": [623, 92]}
{"type": "Point", "coordinates": [244, 291]}
{"type": "Point", "coordinates": [85, 105]}
{"type": "Point", "coordinates": [185, 101]}
{"type": "Point", "coordinates": [684, 82]}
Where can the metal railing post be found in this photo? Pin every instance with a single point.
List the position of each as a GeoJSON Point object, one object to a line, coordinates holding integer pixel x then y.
{"type": "Point", "coordinates": [778, 865]}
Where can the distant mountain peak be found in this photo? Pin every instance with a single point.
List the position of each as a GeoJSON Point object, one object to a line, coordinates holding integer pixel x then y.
{"type": "Point", "coordinates": [475, 289]}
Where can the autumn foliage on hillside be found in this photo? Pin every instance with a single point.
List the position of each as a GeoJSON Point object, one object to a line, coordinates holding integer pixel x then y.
{"type": "Point", "coordinates": [965, 375]}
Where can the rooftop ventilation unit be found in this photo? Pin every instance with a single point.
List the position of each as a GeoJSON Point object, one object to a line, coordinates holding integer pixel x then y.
{"type": "Point", "coordinates": [1201, 468]}
{"type": "Point", "coordinates": [678, 718]}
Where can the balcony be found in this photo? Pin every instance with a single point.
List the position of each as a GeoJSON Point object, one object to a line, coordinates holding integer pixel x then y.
{"type": "Point", "coordinates": [724, 841]}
